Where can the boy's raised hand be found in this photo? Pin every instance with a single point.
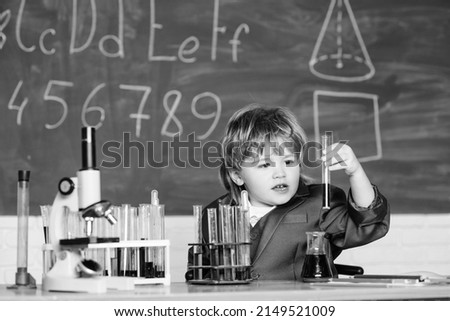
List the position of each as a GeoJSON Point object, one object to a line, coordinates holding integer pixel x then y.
{"type": "Point", "coordinates": [341, 156]}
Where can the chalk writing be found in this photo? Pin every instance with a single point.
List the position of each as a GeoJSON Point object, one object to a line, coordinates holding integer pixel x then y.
{"type": "Point", "coordinates": [340, 60]}
{"type": "Point", "coordinates": [171, 113]}
{"type": "Point", "coordinates": [87, 109]}
{"type": "Point", "coordinates": [57, 99]}
{"type": "Point", "coordinates": [371, 98]}
{"type": "Point", "coordinates": [139, 115]}
{"type": "Point", "coordinates": [187, 48]}
{"type": "Point", "coordinates": [19, 108]}
{"type": "Point", "coordinates": [215, 115]}
{"type": "Point", "coordinates": [4, 20]}
{"type": "Point", "coordinates": [56, 95]}
{"type": "Point", "coordinates": [82, 34]}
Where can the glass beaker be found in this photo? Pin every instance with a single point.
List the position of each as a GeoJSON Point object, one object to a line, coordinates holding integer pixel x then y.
{"type": "Point", "coordinates": [317, 265]}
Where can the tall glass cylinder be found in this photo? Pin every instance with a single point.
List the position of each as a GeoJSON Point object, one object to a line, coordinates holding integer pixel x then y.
{"type": "Point", "coordinates": [23, 212]}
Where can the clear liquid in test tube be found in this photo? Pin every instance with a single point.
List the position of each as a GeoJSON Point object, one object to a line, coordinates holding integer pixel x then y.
{"type": "Point", "coordinates": [326, 140]}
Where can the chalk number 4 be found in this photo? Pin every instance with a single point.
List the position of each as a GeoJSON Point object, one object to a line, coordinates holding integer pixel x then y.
{"type": "Point", "coordinates": [20, 107]}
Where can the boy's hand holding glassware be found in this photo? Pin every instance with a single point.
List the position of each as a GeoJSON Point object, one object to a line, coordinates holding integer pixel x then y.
{"type": "Point", "coordinates": [341, 156]}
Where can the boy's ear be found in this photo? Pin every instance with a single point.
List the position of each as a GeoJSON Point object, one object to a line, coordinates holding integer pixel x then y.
{"type": "Point", "coordinates": [236, 177]}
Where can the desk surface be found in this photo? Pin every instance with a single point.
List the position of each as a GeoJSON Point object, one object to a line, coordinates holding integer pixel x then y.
{"type": "Point", "coordinates": [260, 290]}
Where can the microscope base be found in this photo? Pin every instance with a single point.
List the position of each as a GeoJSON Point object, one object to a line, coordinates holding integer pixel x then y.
{"type": "Point", "coordinates": [65, 284]}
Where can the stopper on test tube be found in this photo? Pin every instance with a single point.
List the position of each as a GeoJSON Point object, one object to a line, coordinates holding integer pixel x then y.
{"type": "Point", "coordinates": [24, 175]}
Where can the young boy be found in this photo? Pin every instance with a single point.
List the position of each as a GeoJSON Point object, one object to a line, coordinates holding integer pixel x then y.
{"type": "Point", "coordinates": [262, 152]}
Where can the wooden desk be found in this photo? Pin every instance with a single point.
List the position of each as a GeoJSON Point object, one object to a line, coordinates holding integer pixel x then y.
{"type": "Point", "coordinates": [261, 291]}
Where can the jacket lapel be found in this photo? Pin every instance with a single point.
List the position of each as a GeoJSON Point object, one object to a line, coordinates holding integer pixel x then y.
{"type": "Point", "coordinates": [275, 217]}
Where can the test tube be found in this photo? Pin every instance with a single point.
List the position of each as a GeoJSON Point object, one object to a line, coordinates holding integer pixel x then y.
{"type": "Point", "coordinates": [159, 234]}
{"type": "Point", "coordinates": [103, 256]}
{"type": "Point", "coordinates": [47, 258]}
{"type": "Point", "coordinates": [74, 224]}
{"type": "Point", "coordinates": [213, 240]}
{"type": "Point", "coordinates": [23, 278]}
{"type": "Point", "coordinates": [198, 238]}
{"type": "Point", "coordinates": [115, 232]}
{"type": "Point", "coordinates": [145, 269]}
{"type": "Point", "coordinates": [327, 140]}
{"type": "Point", "coordinates": [245, 234]}
{"type": "Point", "coordinates": [124, 236]}
{"type": "Point", "coordinates": [45, 213]}
{"type": "Point", "coordinates": [157, 230]}
{"type": "Point", "coordinates": [133, 235]}
{"type": "Point", "coordinates": [229, 240]}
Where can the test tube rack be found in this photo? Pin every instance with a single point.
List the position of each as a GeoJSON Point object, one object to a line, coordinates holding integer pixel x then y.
{"type": "Point", "coordinates": [108, 249]}
{"type": "Point", "coordinates": [223, 268]}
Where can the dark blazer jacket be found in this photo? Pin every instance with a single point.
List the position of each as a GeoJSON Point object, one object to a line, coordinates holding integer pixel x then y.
{"type": "Point", "coordinates": [279, 241]}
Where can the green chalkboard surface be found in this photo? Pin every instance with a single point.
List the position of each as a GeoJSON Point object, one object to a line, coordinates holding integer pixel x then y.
{"type": "Point", "coordinates": [158, 79]}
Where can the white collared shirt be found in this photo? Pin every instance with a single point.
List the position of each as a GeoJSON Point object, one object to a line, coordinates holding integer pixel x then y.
{"type": "Point", "coordinates": [257, 212]}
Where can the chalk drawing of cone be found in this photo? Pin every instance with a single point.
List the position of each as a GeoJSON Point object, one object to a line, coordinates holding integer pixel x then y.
{"type": "Point", "coordinates": [340, 53]}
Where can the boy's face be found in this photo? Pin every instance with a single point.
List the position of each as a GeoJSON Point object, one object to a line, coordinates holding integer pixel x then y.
{"type": "Point", "coordinates": [270, 180]}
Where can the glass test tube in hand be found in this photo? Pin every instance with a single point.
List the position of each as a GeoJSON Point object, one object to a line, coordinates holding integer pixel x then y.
{"type": "Point", "coordinates": [327, 141]}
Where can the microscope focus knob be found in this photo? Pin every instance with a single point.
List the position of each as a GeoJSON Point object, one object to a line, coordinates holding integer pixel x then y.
{"type": "Point", "coordinates": [66, 186]}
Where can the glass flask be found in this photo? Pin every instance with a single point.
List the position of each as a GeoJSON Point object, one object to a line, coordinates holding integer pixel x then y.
{"type": "Point", "coordinates": [317, 265]}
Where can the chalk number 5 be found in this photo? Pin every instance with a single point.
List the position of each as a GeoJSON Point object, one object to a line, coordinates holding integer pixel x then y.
{"type": "Point", "coordinates": [61, 102]}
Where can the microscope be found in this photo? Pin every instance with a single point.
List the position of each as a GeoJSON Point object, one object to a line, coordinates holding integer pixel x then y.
{"type": "Point", "coordinates": [82, 195]}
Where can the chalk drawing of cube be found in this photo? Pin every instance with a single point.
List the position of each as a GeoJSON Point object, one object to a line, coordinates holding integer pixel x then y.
{"type": "Point", "coordinates": [352, 117]}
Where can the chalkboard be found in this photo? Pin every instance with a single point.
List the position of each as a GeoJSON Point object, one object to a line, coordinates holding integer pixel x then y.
{"type": "Point", "coordinates": [150, 73]}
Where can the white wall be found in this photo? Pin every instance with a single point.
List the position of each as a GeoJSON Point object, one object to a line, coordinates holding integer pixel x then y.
{"type": "Point", "coordinates": [415, 242]}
